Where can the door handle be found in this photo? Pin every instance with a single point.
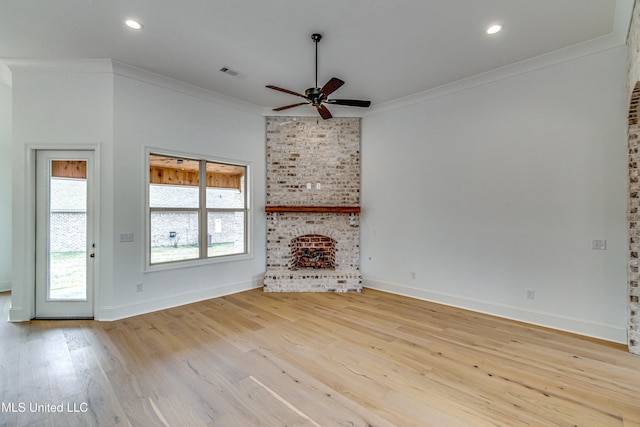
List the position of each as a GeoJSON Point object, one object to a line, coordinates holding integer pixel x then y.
{"type": "Point", "coordinates": [92, 255]}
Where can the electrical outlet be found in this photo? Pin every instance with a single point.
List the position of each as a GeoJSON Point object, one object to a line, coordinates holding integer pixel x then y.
{"type": "Point", "coordinates": [531, 294]}
{"type": "Point", "coordinates": [599, 245]}
{"type": "Point", "coordinates": [139, 287]}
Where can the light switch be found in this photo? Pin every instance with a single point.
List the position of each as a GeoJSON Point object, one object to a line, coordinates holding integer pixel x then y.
{"type": "Point", "coordinates": [126, 237]}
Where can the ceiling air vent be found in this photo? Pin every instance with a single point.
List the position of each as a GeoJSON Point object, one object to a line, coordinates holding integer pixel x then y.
{"type": "Point", "coordinates": [229, 71]}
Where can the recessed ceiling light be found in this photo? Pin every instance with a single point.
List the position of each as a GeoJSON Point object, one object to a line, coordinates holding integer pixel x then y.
{"type": "Point", "coordinates": [494, 29]}
{"type": "Point", "coordinates": [133, 24]}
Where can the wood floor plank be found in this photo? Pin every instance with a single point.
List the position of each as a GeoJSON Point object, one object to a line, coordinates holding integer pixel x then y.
{"type": "Point", "coordinates": [274, 359]}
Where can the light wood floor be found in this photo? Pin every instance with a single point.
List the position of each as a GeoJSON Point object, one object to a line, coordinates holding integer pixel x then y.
{"type": "Point", "coordinates": [256, 359]}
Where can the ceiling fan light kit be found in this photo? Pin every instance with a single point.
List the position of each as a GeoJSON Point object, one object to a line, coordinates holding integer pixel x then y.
{"type": "Point", "coordinates": [317, 96]}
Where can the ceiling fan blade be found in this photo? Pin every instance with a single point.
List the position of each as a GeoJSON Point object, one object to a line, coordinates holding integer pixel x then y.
{"type": "Point", "coordinates": [331, 86]}
{"type": "Point", "coordinates": [324, 112]}
{"type": "Point", "coordinates": [290, 106]}
{"type": "Point", "coordinates": [349, 102]}
{"type": "Point", "coordinates": [286, 91]}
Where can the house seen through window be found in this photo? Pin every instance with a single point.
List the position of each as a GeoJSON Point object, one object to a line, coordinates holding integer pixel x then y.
{"type": "Point", "coordinates": [197, 209]}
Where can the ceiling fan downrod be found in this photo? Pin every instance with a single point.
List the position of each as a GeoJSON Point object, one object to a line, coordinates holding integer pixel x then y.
{"type": "Point", "coordinates": [316, 38]}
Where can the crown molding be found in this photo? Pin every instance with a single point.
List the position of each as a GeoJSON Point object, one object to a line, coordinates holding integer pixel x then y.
{"type": "Point", "coordinates": [502, 73]}
{"type": "Point", "coordinates": [59, 65]}
{"type": "Point", "coordinates": [617, 38]}
{"type": "Point", "coordinates": [136, 73]}
{"type": "Point", "coordinates": [113, 67]}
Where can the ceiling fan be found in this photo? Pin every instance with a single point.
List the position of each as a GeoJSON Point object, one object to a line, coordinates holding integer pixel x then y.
{"type": "Point", "coordinates": [317, 96]}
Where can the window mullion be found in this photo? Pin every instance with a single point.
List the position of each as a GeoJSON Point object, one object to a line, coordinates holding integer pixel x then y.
{"type": "Point", "coordinates": [203, 210]}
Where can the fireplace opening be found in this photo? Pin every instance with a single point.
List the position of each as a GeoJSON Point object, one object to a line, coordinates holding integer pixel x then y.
{"type": "Point", "coordinates": [313, 251]}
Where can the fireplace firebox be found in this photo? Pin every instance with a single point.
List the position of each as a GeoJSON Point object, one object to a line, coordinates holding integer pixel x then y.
{"type": "Point", "coordinates": [313, 251]}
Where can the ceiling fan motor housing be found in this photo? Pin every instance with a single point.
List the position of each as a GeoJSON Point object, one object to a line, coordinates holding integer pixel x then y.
{"type": "Point", "coordinates": [314, 95]}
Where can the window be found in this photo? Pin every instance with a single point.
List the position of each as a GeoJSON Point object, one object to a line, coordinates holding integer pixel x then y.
{"type": "Point", "coordinates": [197, 209]}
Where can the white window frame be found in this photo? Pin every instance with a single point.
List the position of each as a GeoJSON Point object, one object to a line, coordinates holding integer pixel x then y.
{"type": "Point", "coordinates": [202, 211]}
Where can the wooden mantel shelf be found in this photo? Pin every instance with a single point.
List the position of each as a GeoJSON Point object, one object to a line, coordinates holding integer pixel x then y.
{"type": "Point", "coordinates": [313, 209]}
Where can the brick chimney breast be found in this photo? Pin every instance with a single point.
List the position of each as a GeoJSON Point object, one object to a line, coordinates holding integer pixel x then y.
{"type": "Point", "coordinates": [313, 179]}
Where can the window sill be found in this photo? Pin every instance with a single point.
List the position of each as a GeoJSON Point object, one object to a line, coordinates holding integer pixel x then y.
{"type": "Point", "coordinates": [173, 265]}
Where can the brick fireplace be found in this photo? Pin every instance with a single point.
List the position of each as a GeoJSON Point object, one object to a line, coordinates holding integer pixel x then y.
{"type": "Point", "coordinates": [313, 205]}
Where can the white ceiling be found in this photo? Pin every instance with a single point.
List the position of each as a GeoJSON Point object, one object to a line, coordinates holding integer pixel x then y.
{"type": "Point", "coordinates": [384, 49]}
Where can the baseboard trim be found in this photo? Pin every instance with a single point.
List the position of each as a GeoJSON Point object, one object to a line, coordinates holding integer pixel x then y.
{"type": "Point", "coordinates": [18, 314]}
{"type": "Point", "coordinates": [129, 310]}
{"type": "Point", "coordinates": [549, 320]}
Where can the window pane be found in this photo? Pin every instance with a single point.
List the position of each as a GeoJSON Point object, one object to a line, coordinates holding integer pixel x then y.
{"type": "Point", "coordinates": [226, 233]}
{"type": "Point", "coordinates": [225, 186]}
{"type": "Point", "coordinates": [173, 182]}
{"type": "Point", "coordinates": [174, 236]}
{"type": "Point", "coordinates": [173, 196]}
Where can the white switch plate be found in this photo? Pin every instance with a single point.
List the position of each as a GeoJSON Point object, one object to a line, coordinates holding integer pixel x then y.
{"type": "Point", "coordinates": [599, 245]}
{"type": "Point", "coordinates": [126, 237]}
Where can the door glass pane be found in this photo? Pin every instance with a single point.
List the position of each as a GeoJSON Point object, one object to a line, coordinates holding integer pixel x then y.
{"type": "Point", "coordinates": [67, 230]}
{"type": "Point", "coordinates": [226, 233]}
{"type": "Point", "coordinates": [174, 236]}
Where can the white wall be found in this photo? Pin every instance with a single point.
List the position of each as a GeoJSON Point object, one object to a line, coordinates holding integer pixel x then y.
{"type": "Point", "coordinates": [492, 190]}
{"type": "Point", "coordinates": [87, 104]}
{"type": "Point", "coordinates": [5, 187]}
{"type": "Point", "coordinates": [149, 115]}
{"type": "Point", "coordinates": [54, 106]}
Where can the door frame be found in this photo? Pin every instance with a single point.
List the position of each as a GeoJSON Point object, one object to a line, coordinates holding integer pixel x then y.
{"type": "Point", "coordinates": [62, 308]}
{"type": "Point", "coordinates": [23, 294]}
